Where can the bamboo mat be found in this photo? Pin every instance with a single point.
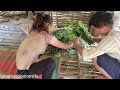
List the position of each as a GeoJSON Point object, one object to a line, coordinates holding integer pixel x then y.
{"type": "Point", "coordinates": [72, 68]}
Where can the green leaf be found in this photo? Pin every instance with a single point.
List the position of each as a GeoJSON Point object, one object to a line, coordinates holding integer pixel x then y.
{"type": "Point", "coordinates": [71, 30]}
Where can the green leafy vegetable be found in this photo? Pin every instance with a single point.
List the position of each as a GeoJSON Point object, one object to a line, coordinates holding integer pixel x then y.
{"type": "Point", "coordinates": [71, 30]}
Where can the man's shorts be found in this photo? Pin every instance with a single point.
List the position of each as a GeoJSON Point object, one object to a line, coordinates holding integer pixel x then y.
{"type": "Point", "coordinates": [110, 65]}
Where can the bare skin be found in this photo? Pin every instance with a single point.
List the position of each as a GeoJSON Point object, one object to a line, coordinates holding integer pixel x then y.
{"type": "Point", "coordinates": [30, 47]}
{"type": "Point", "coordinates": [104, 74]}
{"type": "Point", "coordinates": [96, 39]}
{"type": "Point", "coordinates": [94, 36]}
{"type": "Point", "coordinates": [99, 76]}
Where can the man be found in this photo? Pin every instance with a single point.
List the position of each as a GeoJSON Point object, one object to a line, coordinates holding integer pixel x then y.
{"type": "Point", "coordinates": [116, 20]}
{"type": "Point", "coordinates": [106, 55]}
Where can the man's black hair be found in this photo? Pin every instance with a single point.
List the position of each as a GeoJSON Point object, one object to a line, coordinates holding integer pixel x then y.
{"type": "Point", "coordinates": [101, 18]}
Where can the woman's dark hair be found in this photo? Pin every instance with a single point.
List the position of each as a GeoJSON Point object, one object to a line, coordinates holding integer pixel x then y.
{"type": "Point", "coordinates": [101, 18]}
{"type": "Point", "coordinates": [40, 23]}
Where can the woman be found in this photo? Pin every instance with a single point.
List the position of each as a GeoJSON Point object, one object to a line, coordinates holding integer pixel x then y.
{"type": "Point", "coordinates": [35, 44]}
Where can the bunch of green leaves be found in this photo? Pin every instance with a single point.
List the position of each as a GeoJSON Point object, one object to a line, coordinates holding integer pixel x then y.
{"type": "Point", "coordinates": [71, 30]}
{"type": "Point", "coordinates": [79, 29]}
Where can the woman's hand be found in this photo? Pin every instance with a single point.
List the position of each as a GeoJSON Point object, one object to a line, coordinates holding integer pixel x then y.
{"type": "Point", "coordinates": [55, 42]}
{"type": "Point", "coordinates": [70, 45]}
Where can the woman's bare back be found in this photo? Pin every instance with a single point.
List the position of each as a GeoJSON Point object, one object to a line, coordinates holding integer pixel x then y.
{"type": "Point", "coordinates": [33, 45]}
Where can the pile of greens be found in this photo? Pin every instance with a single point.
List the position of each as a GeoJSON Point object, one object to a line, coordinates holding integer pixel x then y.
{"type": "Point", "coordinates": [71, 30]}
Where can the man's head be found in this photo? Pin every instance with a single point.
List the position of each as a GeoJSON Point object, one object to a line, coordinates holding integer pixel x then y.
{"type": "Point", "coordinates": [101, 22]}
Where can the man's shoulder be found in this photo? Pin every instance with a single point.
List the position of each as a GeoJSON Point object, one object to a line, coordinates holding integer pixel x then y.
{"type": "Point", "coordinates": [115, 33]}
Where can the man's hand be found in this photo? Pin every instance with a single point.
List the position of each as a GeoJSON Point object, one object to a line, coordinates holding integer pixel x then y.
{"type": "Point", "coordinates": [78, 47]}
{"type": "Point", "coordinates": [70, 45]}
{"type": "Point", "coordinates": [76, 40]}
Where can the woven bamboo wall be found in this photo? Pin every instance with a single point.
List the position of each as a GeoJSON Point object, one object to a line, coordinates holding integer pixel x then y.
{"type": "Point", "coordinates": [61, 17]}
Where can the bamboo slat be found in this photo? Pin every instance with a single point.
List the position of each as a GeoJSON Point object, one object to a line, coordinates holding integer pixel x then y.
{"type": "Point", "coordinates": [61, 17]}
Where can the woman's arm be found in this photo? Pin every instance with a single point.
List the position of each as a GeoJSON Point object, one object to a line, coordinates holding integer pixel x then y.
{"type": "Point", "coordinates": [55, 42]}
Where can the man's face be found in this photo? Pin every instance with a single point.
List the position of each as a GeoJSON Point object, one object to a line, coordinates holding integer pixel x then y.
{"type": "Point", "coordinates": [95, 31]}
{"type": "Point", "coordinates": [98, 31]}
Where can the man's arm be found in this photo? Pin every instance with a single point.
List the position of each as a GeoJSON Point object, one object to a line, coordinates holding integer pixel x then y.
{"type": "Point", "coordinates": [78, 47]}
{"type": "Point", "coordinates": [105, 46]}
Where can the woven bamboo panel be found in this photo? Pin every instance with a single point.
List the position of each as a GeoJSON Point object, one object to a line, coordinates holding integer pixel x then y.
{"type": "Point", "coordinates": [72, 68]}
{"type": "Point", "coordinates": [62, 17]}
